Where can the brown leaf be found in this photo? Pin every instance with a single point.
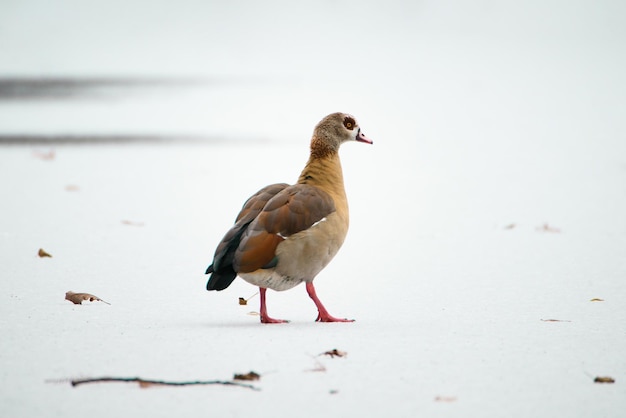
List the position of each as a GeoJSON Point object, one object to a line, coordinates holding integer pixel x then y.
{"type": "Point", "coordinates": [334, 353]}
{"type": "Point", "coordinates": [78, 298]}
{"type": "Point", "coordinates": [510, 226]}
{"type": "Point", "coordinates": [556, 320]}
{"type": "Point", "coordinates": [132, 223]}
{"type": "Point", "coordinates": [72, 188]}
{"type": "Point", "coordinates": [548, 228]}
{"type": "Point", "coordinates": [42, 253]}
{"type": "Point", "coordinates": [604, 379]}
{"type": "Point", "coordinates": [445, 398]}
{"type": "Point", "coordinates": [319, 367]}
{"type": "Point", "coordinates": [596, 300]}
{"type": "Point", "coordinates": [243, 301]}
{"type": "Point", "coordinates": [44, 155]}
{"type": "Point", "coordinates": [248, 376]}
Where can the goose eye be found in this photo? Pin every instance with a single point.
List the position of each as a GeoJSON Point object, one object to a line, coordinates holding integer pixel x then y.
{"type": "Point", "coordinates": [348, 122]}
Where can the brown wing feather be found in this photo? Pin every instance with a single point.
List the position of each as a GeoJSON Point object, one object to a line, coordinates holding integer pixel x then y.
{"type": "Point", "coordinates": [222, 270]}
{"type": "Point", "coordinates": [292, 210]}
{"type": "Point", "coordinates": [255, 204]}
{"type": "Point", "coordinates": [250, 210]}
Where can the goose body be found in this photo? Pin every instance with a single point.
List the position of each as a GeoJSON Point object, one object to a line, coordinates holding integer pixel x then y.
{"type": "Point", "coordinates": [286, 234]}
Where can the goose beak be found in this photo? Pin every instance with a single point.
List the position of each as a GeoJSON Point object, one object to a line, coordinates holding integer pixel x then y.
{"type": "Point", "coordinates": [362, 138]}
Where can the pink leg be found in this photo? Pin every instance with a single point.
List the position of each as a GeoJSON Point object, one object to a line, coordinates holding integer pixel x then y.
{"type": "Point", "coordinates": [265, 319]}
{"type": "Point", "coordinates": [323, 315]}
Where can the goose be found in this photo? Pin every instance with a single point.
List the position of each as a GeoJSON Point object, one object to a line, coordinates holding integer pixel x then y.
{"type": "Point", "coordinates": [286, 234]}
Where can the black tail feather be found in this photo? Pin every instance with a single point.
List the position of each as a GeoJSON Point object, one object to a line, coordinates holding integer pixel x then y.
{"type": "Point", "coordinates": [220, 280]}
{"type": "Point", "coordinates": [222, 272]}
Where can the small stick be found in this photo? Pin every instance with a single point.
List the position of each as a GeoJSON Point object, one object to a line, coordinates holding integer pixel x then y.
{"type": "Point", "coordinates": [556, 320]}
{"type": "Point", "coordinates": [148, 382]}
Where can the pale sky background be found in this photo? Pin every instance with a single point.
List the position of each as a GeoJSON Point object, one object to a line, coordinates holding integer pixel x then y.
{"type": "Point", "coordinates": [459, 66]}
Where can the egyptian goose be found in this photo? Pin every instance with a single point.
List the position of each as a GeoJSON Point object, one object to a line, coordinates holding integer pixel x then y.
{"type": "Point", "coordinates": [285, 235]}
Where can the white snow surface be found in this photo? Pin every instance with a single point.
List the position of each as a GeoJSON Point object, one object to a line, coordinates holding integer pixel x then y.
{"type": "Point", "coordinates": [491, 203]}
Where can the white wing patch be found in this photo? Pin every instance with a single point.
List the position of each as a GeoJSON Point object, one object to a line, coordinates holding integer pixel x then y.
{"type": "Point", "coordinates": [316, 223]}
{"type": "Point", "coordinates": [320, 221]}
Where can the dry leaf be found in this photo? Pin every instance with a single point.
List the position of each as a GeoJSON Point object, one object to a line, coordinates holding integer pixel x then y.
{"type": "Point", "coordinates": [556, 320]}
{"type": "Point", "coordinates": [78, 298]}
{"type": "Point", "coordinates": [44, 155]}
{"type": "Point", "coordinates": [510, 226]}
{"type": "Point", "coordinates": [248, 376]}
{"type": "Point", "coordinates": [72, 188]}
{"type": "Point", "coordinates": [243, 301]}
{"type": "Point", "coordinates": [131, 223]}
{"type": "Point", "coordinates": [334, 353]}
{"type": "Point", "coordinates": [445, 399]}
{"type": "Point", "coordinates": [604, 379]}
{"type": "Point", "coordinates": [319, 367]}
{"type": "Point", "coordinates": [548, 228]}
{"type": "Point", "coordinates": [42, 253]}
{"type": "Point", "coordinates": [596, 300]}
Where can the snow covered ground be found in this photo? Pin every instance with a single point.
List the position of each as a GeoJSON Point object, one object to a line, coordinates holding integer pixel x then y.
{"type": "Point", "coordinates": [486, 217]}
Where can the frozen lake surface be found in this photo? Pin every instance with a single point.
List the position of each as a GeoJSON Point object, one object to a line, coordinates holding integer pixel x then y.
{"type": "Point", "coordinates": [486, 261]}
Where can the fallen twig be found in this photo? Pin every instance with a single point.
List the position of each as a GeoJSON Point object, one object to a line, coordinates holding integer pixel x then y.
{"type": "Point", "coordinates": [148, 382]}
